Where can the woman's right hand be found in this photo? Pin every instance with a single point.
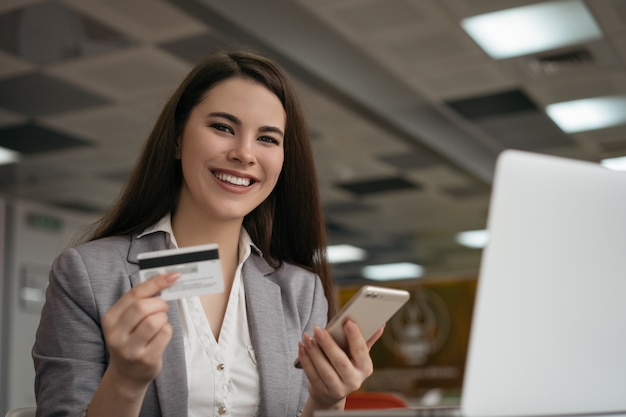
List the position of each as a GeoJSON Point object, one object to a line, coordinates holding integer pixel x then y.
{"type": "Point", "coordinates": [137, 331]}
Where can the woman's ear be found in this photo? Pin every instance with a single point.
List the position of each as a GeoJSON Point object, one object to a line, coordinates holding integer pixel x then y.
{"type": "Point", "coordinates": [178, 151]}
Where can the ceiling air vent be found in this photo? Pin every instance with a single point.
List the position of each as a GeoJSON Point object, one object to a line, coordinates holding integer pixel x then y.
{"type": "Point", "coordinates": [560, 62]}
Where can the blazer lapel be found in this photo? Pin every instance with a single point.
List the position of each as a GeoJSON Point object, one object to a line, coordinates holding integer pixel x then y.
{"type": "Point", "coordinates": [269, 336]}
{"type": "Point", "coordinates": [171, 383]}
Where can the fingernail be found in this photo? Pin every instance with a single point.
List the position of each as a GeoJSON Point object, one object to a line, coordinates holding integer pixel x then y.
{"type": "Point", "coordinates": [349, 325]}
{"type": "Point", "coordinates": [308, 341]}
{"type": "Point", "coordinates": [318, 332]}
{"type": "Point", "coordinates": [171, 277]}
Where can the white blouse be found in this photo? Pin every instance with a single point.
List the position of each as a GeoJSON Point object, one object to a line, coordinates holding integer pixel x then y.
{"type": "Point", "coordinates": [222, 376]}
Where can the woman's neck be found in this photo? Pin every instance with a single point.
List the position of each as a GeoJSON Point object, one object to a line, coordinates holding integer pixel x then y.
{"type": "Point", "coordinates": [191, 230]}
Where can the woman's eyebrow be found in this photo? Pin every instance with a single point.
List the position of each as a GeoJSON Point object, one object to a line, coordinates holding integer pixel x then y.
{"type": "Point", "coordinates": [271, 129]}
{"type": "Point", "coordinates": [227, 116]}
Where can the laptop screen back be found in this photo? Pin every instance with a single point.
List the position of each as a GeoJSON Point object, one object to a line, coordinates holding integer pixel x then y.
{"type": "Point", "coordinates": [549, 327]}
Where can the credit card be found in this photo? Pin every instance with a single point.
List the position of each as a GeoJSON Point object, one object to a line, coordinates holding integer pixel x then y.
{"type": "Point", "coordinates": [200, 268]}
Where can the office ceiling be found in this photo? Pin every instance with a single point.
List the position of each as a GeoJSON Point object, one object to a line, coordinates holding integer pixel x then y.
{"type": "Point", "coordinates": [407, 113]}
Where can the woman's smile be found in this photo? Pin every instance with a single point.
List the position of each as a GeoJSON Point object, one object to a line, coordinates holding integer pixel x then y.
{"type": "Point", "coordinates": [233, 179]}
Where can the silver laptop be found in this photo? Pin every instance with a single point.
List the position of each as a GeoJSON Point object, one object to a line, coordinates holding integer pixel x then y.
{"type": "Point", "coordinates": [549, 324]}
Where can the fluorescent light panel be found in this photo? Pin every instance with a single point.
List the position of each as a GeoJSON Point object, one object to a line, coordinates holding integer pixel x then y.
{"type": "Point", "coordinates": [388, 272]}
{"type": "Point", "coordinates": [8, 156]}
{"type": "Point", "coordinates": [588, 114]}
{"type": "Point", "coordinates": [344, 253]}
{"type": "Point", "coordinates": [616, 164]}
{"type": "Point", "coordinates": [475, 239]}
{"type": "Point", "coordinates": [533, 28]}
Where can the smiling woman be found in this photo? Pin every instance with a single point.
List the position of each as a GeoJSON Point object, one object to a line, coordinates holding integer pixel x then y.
{"type": "Point", "coordinates": [228, 162]}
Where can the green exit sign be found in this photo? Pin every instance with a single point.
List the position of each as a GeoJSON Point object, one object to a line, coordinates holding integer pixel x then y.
{"type": "Point", "coordinates": [44, 221]}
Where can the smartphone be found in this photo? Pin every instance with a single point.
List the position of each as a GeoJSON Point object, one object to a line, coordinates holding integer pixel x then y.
{"type": "Point", "coordinates": [370, 308]}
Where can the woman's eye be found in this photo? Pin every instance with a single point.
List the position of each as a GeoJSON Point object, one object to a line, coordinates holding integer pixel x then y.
{"type": "Point", "coordinates": [222, 127]}
{"type": "Point", "coordinates": [269, 139]}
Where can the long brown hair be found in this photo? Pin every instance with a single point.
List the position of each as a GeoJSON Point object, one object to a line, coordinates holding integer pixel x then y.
{"type": "Point", "coordinates": [288, 226]}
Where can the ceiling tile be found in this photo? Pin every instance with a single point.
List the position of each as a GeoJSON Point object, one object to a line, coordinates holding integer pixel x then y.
{"type": "Point", "coordinates": [144, 20]}
{"type": "Point", "coordinates": [466, 191]}
{"type": "Point", "coordinates": [366, 17]}
{"type": "Point", "coordinates": [104, 125]}
{"type": "Point", "coordinates": [408, 160]}
{"type": "Point", "coordinates": [346, 207]}
{"type": "Point", "coordinates": [339, 233]}
{"type": "Point", "coordinates": [11, 66]}
{"type": "Point", "coordinates": [436, 46]}
{"type": "Point", "coordinates": [9, 5]}
{"type": "Point", "coordinates": [528, 130]}
{"type": "Point", "coordinates": [50, 32]}
{"type": "Point", "coordinates": [611, 14]}
{"type": "Point", "coordinates": [609, 134]}
{"type": "Point", "coordinates": [467, 77]}
{"type": "Point", "coordinates": [195, 48]}
{"type": "Point", "coordinates": [8, 118]}
{"type": "Point", "coordinates": [614, 148]}
{"type": "Point", "coordinates": [576, 86]}
{"type": "Point", "coordinates": [32, 139]}
{"type": "Point", "coordinates": [92, 161]}
{"type": "Point", "coordinates": [127, 74]}
{"type": "Point", "coordinates": [39, 95]}
{"type": "Point", "coordinates": [442, 175]}
{"type": "Point", "coordinates": [467, 8]}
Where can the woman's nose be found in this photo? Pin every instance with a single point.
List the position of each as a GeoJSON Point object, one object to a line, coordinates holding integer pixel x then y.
{"type": "Point", "coordinates": [243, 151]}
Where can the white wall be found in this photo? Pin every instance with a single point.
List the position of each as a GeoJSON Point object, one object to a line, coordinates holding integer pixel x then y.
{"type": "Point", "coordinates": [36, 234]}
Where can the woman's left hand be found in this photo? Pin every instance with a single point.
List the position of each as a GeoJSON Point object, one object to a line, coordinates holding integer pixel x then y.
{"type": "Point", "coordinates": [332, 373]}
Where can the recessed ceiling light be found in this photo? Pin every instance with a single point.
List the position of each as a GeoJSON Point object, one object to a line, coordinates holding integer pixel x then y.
{"type": "Point", "coordinates": [616, 164]}
{"type": "Point", "coordinates": [7, 156]}
{"type": "Point", "coordinates": [344, 253]}
{"type": "Point", "coordinates": [388, 272]}
{"type": "Point", "coordinates": [588, 114]}
{"type": "Point", "coordinates": [533, 28]}
{"type": "Point", "coordinates": [475, 239]}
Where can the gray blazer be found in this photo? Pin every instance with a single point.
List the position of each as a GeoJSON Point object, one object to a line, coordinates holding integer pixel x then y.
{"type": "Point", "coordinates": [70, 354]}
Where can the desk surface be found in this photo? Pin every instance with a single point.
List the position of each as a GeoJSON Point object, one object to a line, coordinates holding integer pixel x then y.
{"type": "Point", "coordinates": [431, 412]}
{"type": "Point", "coordinates": [436, 411]}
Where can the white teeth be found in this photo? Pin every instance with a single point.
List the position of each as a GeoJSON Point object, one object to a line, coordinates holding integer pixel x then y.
{"type": "Point", "coordinates": [231, 179]}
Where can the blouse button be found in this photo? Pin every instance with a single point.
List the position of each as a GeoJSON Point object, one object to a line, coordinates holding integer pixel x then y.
{"type": "Point", "coordinates": [220, 367]}
{"type": "Point", "coordinates": [221, 410]}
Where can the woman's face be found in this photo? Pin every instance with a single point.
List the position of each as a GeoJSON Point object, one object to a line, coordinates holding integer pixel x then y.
{"type": "Point", "coordinates": [232, 150]}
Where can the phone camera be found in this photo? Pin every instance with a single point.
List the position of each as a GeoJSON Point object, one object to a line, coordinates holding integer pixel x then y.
{"type": "Point", "coordinates": [372, 295]}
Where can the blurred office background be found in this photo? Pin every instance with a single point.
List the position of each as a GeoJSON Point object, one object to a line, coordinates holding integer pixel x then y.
{"type": "Point", "coordinates": [408, 107]}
